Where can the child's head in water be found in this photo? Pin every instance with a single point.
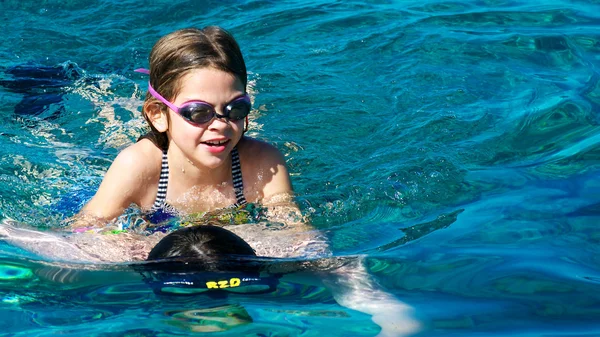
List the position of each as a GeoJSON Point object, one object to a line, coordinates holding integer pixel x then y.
{"type": "Point", "coordinates": [201, 242]}
{"type": "Point", "coordinates": [185, 58]}
{"type": "Point", "coordinates": [201, 263]}
{"type": "Point", "coordinates": [205, 243]}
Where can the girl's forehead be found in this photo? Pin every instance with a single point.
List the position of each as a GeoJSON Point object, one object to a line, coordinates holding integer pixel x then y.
{"type": "Point", "coordinates": [209, 77]}
{"type": "Point", "coordinates": [210, 85]}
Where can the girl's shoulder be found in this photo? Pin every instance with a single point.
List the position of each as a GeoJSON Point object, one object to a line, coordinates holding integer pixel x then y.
{"type": "Point", "coordinates": [258, 154]}
{"type": "Point", "coordinates": [139, 166]}
{"type": "Point", "coordinates": [143, 156]}
{"type": "Point", "coordinates": [264, 171]}
{"type": "Point", "coordinates": [132, 178]}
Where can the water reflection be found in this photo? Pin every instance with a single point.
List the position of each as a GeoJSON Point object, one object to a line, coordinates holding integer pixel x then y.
{"type": "Point", "coordinates": [213, 319]}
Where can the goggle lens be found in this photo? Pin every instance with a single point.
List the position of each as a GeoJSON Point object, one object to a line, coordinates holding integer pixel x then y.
{"type": "Point", "coordinates": [200, 112]}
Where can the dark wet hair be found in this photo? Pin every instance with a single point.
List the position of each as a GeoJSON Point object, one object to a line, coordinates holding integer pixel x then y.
{"type": "Point", "coordinates": [200, 242]}
{"type": "Point", "coordinates": [205, 258]}
{"type": "Point", "coordinates": [177, 53]}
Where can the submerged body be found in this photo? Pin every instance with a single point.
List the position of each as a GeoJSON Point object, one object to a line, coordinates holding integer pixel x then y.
{"type": "Point", "coordinates": [105, 246]}
{"type": "Point", "coordinates": [349, 281]}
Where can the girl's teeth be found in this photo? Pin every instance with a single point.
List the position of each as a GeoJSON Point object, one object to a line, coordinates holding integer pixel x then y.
{"type": "Point", "coordinates": [216, 142]}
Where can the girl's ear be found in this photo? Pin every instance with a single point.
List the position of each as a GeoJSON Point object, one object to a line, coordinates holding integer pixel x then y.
{"type": "Point", "coordinates": [157, 116]}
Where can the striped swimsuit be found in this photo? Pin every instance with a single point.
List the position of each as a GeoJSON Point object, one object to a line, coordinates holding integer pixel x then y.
{"type": "Point", "coordinates": [160, 210]}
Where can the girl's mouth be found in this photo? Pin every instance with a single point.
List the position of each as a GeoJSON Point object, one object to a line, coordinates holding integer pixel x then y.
{"type": "Point", "coordinates": [216, 146]}
{"type": "Point", "coordinates": [216, 142]}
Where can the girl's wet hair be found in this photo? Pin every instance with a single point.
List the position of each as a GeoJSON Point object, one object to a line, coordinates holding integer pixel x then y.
{"type": "Point", "coordinates": [201, 242]}
{"type": "Point", "coordinates": [176, 54]}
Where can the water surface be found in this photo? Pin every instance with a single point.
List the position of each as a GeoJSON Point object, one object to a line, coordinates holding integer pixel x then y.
{"type": "Point", "coordinates": [454, 143]}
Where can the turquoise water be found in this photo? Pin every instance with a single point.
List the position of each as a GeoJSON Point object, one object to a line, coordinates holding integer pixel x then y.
{"type": "Point", "coordinates": [454, 143]}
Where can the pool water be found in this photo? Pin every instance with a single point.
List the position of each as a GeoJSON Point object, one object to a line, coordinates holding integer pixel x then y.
{"type": "Point", "coordinates": [456, 144]}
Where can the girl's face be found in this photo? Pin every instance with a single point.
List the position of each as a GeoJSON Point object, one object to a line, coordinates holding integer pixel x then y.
{"type": "Point", "coordinates": [209, 144]}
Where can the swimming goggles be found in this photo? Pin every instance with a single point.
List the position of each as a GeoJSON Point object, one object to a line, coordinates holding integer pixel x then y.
{"type": "Point", "coordinates": [200, 282]}
{"type": "Point", "coordinates": [199, 112]}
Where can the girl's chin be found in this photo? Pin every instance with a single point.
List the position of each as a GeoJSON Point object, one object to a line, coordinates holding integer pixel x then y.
{"type": "Point", "coordinates": [212, 161]}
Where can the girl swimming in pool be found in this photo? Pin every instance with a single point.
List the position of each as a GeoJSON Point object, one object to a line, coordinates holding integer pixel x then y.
{"type": "Point", "coordinates": [196, 157]}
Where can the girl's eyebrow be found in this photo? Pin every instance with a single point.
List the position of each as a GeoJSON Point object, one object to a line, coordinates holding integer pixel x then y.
{"type": "Point", "coordinates": [195, 100]}
{"type": "Point", "coordinates": [205, 102]}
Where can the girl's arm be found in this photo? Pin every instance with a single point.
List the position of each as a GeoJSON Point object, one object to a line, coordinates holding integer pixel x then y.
{"type": "Point", "coordinates": [93, 247]}
{"type": "Point", "coordinates": [125, 183]}
{"type": "Point", "coordinates": [270, 183]}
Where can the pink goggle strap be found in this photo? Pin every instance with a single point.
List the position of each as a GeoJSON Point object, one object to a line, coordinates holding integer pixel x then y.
{"type": "Point", "coordinates": [154, 93]}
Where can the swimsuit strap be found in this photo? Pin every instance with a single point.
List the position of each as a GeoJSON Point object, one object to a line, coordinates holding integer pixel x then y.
{"type": "Point", "coordinates": [236, 175]}
{"type": "Point", "coordinates": [161, 195]}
